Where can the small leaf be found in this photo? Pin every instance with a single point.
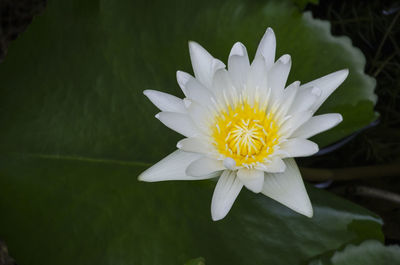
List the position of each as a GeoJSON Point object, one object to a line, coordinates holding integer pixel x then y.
{"type": "Point", "coordinates": [369, 252]}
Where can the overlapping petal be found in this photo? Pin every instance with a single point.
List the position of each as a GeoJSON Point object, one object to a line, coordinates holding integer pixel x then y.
{"type": "Point", "coordinates": [277, 76]}
{"type": "Point", "coordinates": [172, 167]}
{"type": "Point", "coordinates": [196, 145]}
{"type": "Point", "coordinates": [267, 48]}
{"type": "Point", "coordinates": [179, 122]}
{"type": "Point", "coordinates": [327, 84]}
{"type": "Point", "coordinates": [253, 179]}
{"type": "Point", "coordinates": [204, 65]}
{"type": "Point", "coordinates": [225, 193]}
{"type": "Point", "coordinates": [297, 147]}
{"type": "Point", "coordinates": [204, 166]}
{"type": "Point", "coordinates": [318, 124]}
{"type": "Point", "coordinates": [288, 189]}
{"type": "Point", "coordinates": [165, 102]}
{"type": "Point", "coordinates": [183, 78]}
{"type": "Point", "coordinates": [238, 65]}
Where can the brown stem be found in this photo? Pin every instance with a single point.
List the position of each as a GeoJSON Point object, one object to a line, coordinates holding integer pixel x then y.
{"type": "Point", "coordinates": [377, 193]}
{"type": "Point", "coordinates": [351, 173]}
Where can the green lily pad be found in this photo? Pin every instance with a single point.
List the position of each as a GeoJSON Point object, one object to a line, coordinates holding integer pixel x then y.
{"type": "Point", "coordinates": [58, 210]}
{"type": "Point", "coordinates": [370, 252]}
{"type": "Point", "coordinates": [72, 83]}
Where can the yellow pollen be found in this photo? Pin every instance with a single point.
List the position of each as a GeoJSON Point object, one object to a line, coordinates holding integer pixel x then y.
{"type": "Point", "coordinates": [245, 133]}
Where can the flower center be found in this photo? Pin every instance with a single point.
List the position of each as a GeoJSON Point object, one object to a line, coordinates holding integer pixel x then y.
{"type": "Point", "coordinates": [246, 134]}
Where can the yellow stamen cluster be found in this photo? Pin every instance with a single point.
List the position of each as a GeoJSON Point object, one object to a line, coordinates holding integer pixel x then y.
{"type": "Point", "coordinates": [245, 133]}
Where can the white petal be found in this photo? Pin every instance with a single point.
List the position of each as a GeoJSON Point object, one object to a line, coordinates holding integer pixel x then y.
{"type": "Point", "coordinates": [277, 76]}
{"type": "Point", "coordinates": [289, 95]}
{"type": "Point", "coordinates": [196, 145]}
{"type": "Point", "coordinates": [267, 47]}
{"type": "Point", "coordinates": [182, 79]}
{"type": "Point", "coordinates": [197, 92]}
{"type": "Point", "coordinates": [305, 99]}
{"type": "Point", "coordinates": [204, 65]}
{"type": "Point", "coordinates": [238, 49]}
{"type": "Point", "coordinates": [204, 166]}
{"type": "Point", "coordinates": [297, 147]}
{"type": "Point", "coordinates": [179, 122]}
{"type": "Point", "coordinates": [327, 84]}
{"type": "Point", "coordinates": [288, 188]}
{"type": "Point", "coordinates": [253, 179]}
{"type": "Point", "coordinates": [275, 165]}
{"type": "Point", "coordinates": [238, 64]}
{"type": "Point", "coordinates": [223, 87]}
{"type": "Point", "coordinates": [318, 124]}
{"type": "Point", "coordinates": [225, 193]}
{"type": "Point", "coordinates": [172, 167]}
{"type": "Point", "coordinates": [200, 116]}
{"type": "Point", "coordinates": [294, 122]}
{"type": "Point", "coordinates": [257, 78]}
{"type": "Point", "coordinates": [165, 102]}
{"type": "Point", "coordinates": [229, 163]}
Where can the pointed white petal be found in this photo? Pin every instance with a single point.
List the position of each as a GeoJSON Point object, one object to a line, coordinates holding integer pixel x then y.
{"type": "Point", "coordinates": [200, 116]}
{"type": "Point", "coordinates": [225, 193]}
{"type": "Point", "coordinates": [318, 124]}
{"type": "Point", "coordinates": [288, 188]}
{"type": "Point", "coordinates": [327, 84]}
{"type": "Point", "coordinates": [172, 167]}
{"type": "Point", "coordinates": [277, 76]}
{"type": "Point", "coordinates": [165, 102]}
{"type": "Point", "coordinates": [297, 147]}
{"type": "Point", "coordinates": [204, 65]}
{"type": "Point", "coordinates": [275, 165]}
{"type": "Point", "coordinates": [295, 121]}
{"type": "Point", "coordinates": [257, 78]}
{"type": "Point", "coordinates": [204, 166]}
{"type": "Point", "coordinates": [267, 47]}
{"type": "Point", "coordinates": [238, 49]}
{"type": "Point", "coordinates": [196, 145]}
{"type": "Point", "coordinates": [238, 65]}
{"type": "Point", "coordinates": [179, 122]}
{"type": "Point", "coordinates": [197, 92]}
{"type": "Point", "coordinates": [182, 79]}
{"type": "Point", "coordinates": [223, 87]}
{"type": "Point", "coordinates": [289, 95]}
{"type": "Point", "coordinates": [253, 179]}
{"type": "Point", "coordinates": [305, 99]}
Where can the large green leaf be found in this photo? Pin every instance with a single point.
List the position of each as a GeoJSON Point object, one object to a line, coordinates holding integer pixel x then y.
{"type": "Point", "coordinates": [72, 84]}
{"type": "Point", "coordinates": [71, 211]}
{"type": "Point", "coordinates": [370, 252]}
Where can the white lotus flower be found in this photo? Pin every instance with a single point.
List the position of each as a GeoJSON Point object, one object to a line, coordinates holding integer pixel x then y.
{"type": "Point", "coordinates": [243, 125]}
